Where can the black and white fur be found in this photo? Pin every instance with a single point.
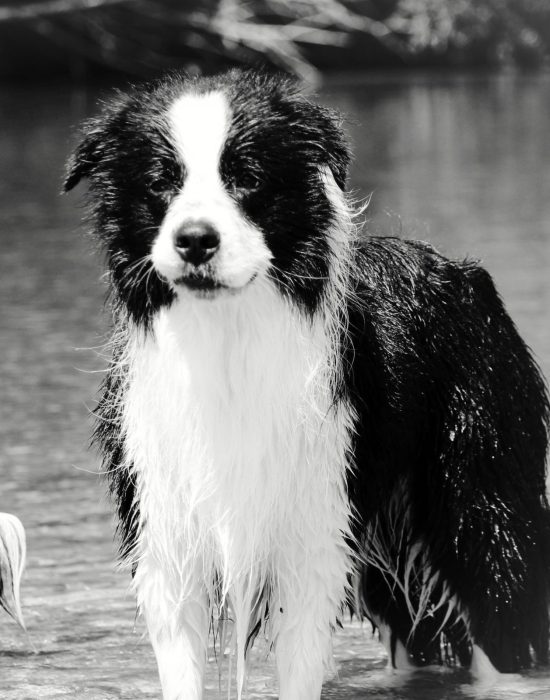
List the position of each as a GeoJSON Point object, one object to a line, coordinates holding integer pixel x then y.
{"type": "Point", "coordinates": [296, 418]}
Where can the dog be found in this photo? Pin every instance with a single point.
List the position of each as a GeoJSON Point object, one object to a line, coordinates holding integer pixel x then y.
{"type": "Point", "coordinates": [298, 418]}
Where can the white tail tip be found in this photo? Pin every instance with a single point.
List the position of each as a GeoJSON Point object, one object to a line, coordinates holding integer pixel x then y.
{"type": "Point", "coordinates": [13, 551]}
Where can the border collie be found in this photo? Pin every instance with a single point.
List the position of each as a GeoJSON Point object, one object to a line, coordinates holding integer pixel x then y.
{"type": "Point", "coordinates": [297, 419]}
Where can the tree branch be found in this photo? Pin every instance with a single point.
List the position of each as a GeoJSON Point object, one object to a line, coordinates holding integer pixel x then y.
{"type": "Point", "coordinates": [36, 10]}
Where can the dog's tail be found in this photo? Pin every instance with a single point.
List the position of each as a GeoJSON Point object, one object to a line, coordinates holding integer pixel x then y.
{"type": "Point", "coordinates": [12, 562]}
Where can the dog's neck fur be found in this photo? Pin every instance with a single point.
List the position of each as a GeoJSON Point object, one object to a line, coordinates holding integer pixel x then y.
{"type": "Point", "coordinates": [248, 380]}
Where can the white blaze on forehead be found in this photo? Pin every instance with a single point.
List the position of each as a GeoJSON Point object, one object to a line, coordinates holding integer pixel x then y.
{"type": "Point", "coordinates": [199, 125]}
{"type": "Point", "coordinates": [199, 128]}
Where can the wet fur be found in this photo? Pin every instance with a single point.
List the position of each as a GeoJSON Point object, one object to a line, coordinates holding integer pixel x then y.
{"type": "Point", "coordinates": [362, 423]}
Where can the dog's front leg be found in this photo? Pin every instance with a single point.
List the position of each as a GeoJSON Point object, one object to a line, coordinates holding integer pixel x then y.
{"type": "Point", "coordinates": [174, 604]}
{"type": "Point", "coordinates": [312, 586]}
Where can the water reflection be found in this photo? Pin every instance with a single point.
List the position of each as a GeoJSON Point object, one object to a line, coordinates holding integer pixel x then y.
{"type": "Point", "coordinates": [461, 162]}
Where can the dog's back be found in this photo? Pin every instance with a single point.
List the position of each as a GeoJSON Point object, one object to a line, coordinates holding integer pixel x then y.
{"type": "Point", "coordinates": [450, 457]}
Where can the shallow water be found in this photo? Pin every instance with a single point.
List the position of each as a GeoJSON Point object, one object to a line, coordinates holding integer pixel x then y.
{"type": "Point", "coordinates": [461, 162]}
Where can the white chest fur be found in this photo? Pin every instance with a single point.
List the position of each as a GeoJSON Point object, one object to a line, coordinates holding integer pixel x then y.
{"type": "Point", "coordinates": [231, 429]}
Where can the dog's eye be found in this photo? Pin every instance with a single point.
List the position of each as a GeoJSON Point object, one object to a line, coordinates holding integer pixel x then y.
{"type": "Point", "coordinates": [247, 182]}
{"type": "Point", "coordinates": [157, 186]}
{"type": "Point", "coordinates": [160, 187]}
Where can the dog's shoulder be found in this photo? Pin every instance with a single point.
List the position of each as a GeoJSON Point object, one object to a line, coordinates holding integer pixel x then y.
{"type": "Point", "coordinates": [408, 285]}
{"type": "Point", "coordinates": [419, 314]}
{"type": "Point", "coordinates": [407, 269]}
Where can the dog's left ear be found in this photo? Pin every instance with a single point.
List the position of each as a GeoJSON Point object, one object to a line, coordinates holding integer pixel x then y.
{"type": "Point", "coordinates": [325, 137]}
{"type": "Point", "coordinates": [336, 146]}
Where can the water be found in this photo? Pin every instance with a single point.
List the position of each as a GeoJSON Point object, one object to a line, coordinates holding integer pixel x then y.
{"type": "Point", "coordinates": [461, 162]}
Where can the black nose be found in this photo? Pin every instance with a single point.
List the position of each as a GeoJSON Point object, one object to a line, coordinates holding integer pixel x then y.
{"type": "Point", "coordinates": [197, 241]}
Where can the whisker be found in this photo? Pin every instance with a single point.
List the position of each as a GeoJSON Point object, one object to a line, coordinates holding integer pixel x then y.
{"type": "Point", "coordinates": [144, 274]}
{"type": "Point", "coordinates": [137, 265]}
{"type": "Point", "coordinates": [148, 280]}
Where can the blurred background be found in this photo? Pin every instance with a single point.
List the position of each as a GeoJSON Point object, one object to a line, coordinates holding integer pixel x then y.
{"type": "Point", "coordinates": [84, 38]}
{"type": "Point", "coordinates": [447, 104]}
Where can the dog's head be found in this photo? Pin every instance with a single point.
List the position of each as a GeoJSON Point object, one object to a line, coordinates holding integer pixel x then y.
{"type": "Point", "coordinates": [200, 186]}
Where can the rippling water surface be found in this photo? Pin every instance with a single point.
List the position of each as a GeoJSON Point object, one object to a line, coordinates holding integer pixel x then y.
{"type": "Point", "coordinates": [461, 162]}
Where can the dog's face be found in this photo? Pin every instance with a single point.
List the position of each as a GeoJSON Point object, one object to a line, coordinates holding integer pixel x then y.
{"type": "Point", "coordinates": [202, 186]}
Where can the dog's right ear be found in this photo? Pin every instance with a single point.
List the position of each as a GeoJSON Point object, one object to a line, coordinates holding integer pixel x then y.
{"type": "Point", "coordinates": [95, 136]}
{"type": "Point", "coordinates": [85, 156]}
